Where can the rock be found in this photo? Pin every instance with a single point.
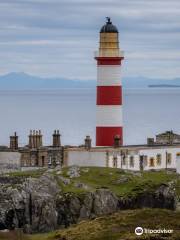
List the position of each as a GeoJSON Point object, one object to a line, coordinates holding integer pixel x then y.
{"type": "Point", "coordinates": [163, 197]}
{"type": "Point", "coordinates": [66, 181]}
{"type": "Point", "coordinates": [39, 205]}
{"type": "Point", "coordinates": [81, 185]}
{"type": "Point", "coordinates": [32, 206]}
{"type": "Point", "coordinates": [137, 174]}
{"type": "Point", "coordinates": [50, 170]}
{"type": "Point", "coordinates": [122, 179]}
{"type": "Point", "coordinates": [105, 202]}
{"type": "Point", "coordinates": [74, 172]}
{"type": "Point", "coordinates": [166, 197]}
{"type": "Point", "coordinates": [58, 168]}
{"type": "Point", "coordinates": [85, 170]}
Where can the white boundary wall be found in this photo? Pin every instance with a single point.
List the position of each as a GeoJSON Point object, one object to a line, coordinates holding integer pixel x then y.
{"type": "Point", "coordinates": [86, 158]}
{"type": "Point", "coordinates": [82, 157]}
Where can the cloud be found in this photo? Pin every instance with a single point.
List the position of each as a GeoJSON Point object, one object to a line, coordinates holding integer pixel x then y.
{"type": "Point", "coordinates": [58, 37]}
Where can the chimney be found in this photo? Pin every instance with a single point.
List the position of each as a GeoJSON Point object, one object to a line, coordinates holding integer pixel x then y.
{"type": "Point", "coordinates": [14, 142]}
{"type": "Point", "coordinates": [35, 139]}
{"type": "Point", "coordinates": [87, 142]}
{"type": "Point", "coordinates": [56, 139]}
{"type": "Point", "coordinates": [150, 141]}
{"type": "Point", "coordinates": [117, 141]}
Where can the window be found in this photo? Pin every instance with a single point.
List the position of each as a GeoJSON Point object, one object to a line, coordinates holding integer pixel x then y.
{"type": "Point", "coordinates": [115, 162]}
{"type": "Point", "coordinates": [169, 158]}
{"type": "Point", "coordinates": [151, 162]}
{"type": "Point", "coordinates": [124, 160]}
{"type": "Point", "coordinates": [131, 161]}
{"type": "Point", "coordinates": [158, 159]}
{"type": "Point", "coordinates": [50, 160]}
{"type": "Point", "coordinates": [43, 161]}
{"type": "Point", "coordinates": [33, 160]}
{"type": "Point", "coordinates": [145, 160]}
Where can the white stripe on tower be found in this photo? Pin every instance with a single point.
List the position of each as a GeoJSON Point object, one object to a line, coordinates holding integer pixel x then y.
{"type": "Point", "coordinates": [109, 90]}
{"type": "Point", "coordinates": [108, 75]}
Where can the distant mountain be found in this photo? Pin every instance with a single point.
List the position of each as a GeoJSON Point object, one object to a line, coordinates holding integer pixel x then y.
{"type": "Point", "coordinates": [142, 82]}
{"type": "Point", "coordinates": [23, 81]}
{"type": "Point", "coordinates": [164, 86]}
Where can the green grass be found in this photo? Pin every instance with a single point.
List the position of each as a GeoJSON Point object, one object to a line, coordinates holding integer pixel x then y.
{"type": "Point", "coordinates": [120, 226]}
{"type": "Point", "coordinates": [98, 177]}
{"type": "Point", "coordinates": [33, 173]}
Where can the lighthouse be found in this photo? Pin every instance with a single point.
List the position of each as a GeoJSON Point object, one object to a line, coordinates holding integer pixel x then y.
{"type": "Point", "coordinates": [109, 90]}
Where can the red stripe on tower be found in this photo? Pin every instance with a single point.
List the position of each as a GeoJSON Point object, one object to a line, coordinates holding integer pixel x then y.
{"type": "Point", "coordinates": [109, 95]}
{"type": "Point", "coordinates": [109, 89]}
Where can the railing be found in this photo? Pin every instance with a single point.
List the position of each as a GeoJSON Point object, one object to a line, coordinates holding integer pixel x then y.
{"type": "Point", "coordinates": [109, 54]}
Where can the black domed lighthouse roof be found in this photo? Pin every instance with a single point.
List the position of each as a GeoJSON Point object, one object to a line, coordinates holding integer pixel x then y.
{"type": "Point", "coordinates": [109, 27]}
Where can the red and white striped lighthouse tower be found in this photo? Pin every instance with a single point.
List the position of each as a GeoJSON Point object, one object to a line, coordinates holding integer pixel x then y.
{"type": "Point", "coordinates": [109, 89]}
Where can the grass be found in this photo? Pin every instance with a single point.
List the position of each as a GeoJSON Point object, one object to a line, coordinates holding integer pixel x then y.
{"type": "Point", "coordinates": [120, 226]}
{"type": "Point", "coordinates": [98, 177]}
{"type": "Point", "coordinates": [25, 174]}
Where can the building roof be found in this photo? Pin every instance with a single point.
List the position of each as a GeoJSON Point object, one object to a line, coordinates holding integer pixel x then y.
{"type": "Point", "coordinates": [109, 27]}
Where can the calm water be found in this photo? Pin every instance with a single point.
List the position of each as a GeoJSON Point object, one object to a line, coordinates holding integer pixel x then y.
{"type": "Point", "coordinates": [146, 112]}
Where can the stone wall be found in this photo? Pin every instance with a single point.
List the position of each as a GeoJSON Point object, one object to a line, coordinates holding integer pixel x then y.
{"type": "Point", "coordinates": [9, 160]}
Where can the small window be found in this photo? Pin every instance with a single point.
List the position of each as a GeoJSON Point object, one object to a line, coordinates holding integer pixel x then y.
{"type": "Point", "coordinates": [151, 162]}
{"type": "Point", "coordinates": [115, 162]}
{"type": "Point", "coordinates": [131, 161]}
{"type": "Point", "coordinates": [124, 160]}
{"type": "Point", "coordinates": [50, 160]}
{"type": "Point", "coordinates": [178, 154]}
{"type": "Point", "coordinates": [43, 161]}
{"type": "Point", "coordinates": [158, 159]}
{"type": "Point", "coordinates": [145, 160]}
{"type": "Point", "coordinates": [169, 158]}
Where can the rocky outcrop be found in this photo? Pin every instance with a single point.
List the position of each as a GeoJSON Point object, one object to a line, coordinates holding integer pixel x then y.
{"type": "Point", "coordinates": [72, 209]}
{"type": "Point", "coordinates": [39, 205]}
{"type": "Point", "coordinates": [163, 197]}
{"type": "Point", "coordinates": [31, 205]}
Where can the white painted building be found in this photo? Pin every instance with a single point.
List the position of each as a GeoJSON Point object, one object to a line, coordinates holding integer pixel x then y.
{"type": "Point", "coordinates": [140, 157]}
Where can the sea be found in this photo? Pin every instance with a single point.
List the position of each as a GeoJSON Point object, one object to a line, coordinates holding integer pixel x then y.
{"type": "Point", "coordinates": [146, 112]}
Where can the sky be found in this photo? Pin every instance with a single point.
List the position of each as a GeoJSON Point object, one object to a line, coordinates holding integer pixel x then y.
{"type": "Point", "coordinates": [57, 38]}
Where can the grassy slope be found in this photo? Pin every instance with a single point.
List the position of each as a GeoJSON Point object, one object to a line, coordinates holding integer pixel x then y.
{"type": "Point", "coordinates": [108, 178]}
{"type": "Point", "coordinates": [97, 177]}
{"type": "Point", "coordinates": [119, 226]}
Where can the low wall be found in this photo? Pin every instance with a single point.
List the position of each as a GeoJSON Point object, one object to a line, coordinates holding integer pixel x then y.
{"type": "Point", "coordinates": [9, 161]}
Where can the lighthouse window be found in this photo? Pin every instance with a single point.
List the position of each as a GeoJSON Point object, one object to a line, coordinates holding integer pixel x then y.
{"type": "Point", "coordinates": [169, 158]}
{"type": "Point", "coordinates": [151, 162]}
{"type": "Point", "coordinates": [131, 161]}
{"type": "Point", "coordinates": [158, 159]}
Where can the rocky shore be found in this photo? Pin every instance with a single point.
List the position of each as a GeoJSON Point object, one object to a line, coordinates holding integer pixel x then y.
{"type": "Point", "coordinates": [41, 204]}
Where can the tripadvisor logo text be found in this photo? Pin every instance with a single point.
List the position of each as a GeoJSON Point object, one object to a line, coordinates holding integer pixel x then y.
{"type": "Point", "coordinates": [139, 231]}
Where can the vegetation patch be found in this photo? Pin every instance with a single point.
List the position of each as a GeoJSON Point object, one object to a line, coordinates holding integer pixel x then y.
{"type": "Point", "coordinates": [122, 183]}
{"type": "Point", "coordinates": [119, 226]}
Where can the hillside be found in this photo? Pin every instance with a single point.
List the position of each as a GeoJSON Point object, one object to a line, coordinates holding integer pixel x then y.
{"type": "Point", "coordinates": [49, 199]}
{"type": "Point", "coordinates": [121, 226]}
